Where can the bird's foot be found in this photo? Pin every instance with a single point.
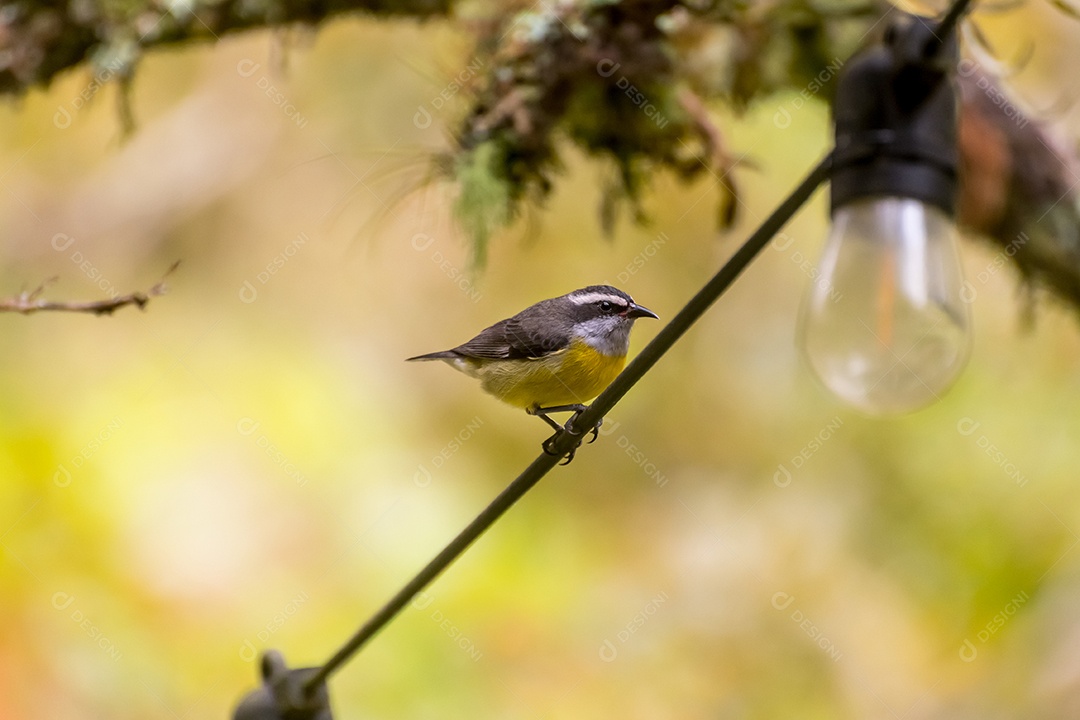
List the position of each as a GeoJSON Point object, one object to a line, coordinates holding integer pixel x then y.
{"type": "Point", "coordinates": [549, 444]}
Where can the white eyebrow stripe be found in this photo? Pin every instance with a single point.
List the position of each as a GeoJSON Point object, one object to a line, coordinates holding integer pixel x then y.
{"type": "Point", "coordinates": [597, 297]}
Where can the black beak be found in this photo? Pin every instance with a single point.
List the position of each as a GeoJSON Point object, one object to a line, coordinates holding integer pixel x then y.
{"type": "Point", "coordinates": [637, 311]}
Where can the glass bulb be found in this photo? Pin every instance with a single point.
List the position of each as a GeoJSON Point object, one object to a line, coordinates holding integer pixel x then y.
{"type": "Point", "coordinates": [883, 325]}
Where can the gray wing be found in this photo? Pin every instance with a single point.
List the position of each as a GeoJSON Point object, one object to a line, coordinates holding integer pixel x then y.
{"type": "Point", "coordinates": [509, 340]}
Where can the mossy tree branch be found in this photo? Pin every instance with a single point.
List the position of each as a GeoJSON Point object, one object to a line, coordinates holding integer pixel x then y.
{"type": "Point", "coordinates": [41, 38]}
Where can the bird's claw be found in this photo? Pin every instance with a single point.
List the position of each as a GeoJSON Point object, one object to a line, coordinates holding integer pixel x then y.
{"type": "Point", "coordinates": [596, 431]}
{"type": "Point", "coordinates": [549, 448]}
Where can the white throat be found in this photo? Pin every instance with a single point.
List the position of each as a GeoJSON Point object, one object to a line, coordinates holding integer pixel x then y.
{"type": "Point", "coordinates": [609, 335]}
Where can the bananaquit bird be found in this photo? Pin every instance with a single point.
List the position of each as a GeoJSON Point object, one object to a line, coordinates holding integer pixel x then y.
{"type": "Point", "coordinates": [554, 355]}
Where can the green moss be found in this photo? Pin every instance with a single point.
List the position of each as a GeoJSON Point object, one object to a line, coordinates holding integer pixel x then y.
{"type": "Point", "coordinates": [483, 204]}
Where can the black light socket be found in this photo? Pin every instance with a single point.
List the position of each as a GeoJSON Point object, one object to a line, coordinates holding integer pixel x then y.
{"type": "Point", "coordinates": [283, 694]}
{"type": "Point", "coordinates": [895, 114]}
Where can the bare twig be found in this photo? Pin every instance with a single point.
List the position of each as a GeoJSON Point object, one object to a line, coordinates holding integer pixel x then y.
{"type": "Point", "coordinates": [27, 303]}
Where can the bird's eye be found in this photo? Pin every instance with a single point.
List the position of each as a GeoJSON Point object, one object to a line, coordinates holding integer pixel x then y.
{"type": "Point", "coordinates": [606, 306]}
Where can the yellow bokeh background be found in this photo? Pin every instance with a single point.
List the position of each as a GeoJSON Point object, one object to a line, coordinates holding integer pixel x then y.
{"type": "Point", "coordinates": [248, 463]}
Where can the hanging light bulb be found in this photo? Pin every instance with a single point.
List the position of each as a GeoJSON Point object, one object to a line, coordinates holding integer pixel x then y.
{"type": "Point", "coordinates": [884, 327]}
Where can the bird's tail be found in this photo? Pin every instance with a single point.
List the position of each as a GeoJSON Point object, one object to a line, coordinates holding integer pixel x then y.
{"type": "Point", "coordinates": [442, 355]}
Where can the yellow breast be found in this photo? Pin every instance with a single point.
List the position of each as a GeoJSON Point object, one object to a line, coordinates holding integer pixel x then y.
{"type": "Point", "coordinates": [574, 375]}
